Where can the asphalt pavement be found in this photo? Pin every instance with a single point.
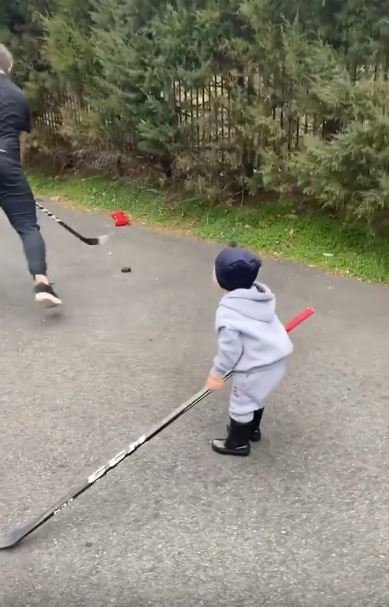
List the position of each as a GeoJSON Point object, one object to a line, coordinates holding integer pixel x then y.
{"type": "Point", "coordinates": [302, 522]}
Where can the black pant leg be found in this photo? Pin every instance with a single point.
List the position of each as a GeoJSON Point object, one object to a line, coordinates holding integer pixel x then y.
{"type": "Point", "coordinates": [18, 203]}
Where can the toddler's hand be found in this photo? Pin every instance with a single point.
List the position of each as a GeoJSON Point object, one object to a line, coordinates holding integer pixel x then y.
{"type": "Point", "coordinates": [214, 383]}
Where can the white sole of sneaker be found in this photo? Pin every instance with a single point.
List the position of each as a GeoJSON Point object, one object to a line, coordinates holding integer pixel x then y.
{"type": "Point", "coordinates": [47, 300]}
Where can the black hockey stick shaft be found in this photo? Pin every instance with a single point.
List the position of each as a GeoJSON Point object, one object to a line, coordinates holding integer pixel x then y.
{"type": "Point", "coordinates": [17, 535]}
{"type": "Point", "coordinates": [85, 239]}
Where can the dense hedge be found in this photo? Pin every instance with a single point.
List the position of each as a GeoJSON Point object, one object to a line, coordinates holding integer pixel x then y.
{"type": "Point", "coordinates": [231, 96]}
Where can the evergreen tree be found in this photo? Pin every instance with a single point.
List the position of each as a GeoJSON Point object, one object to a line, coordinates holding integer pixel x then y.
{"type": "Point", "coordinates": [22, 31]}
{"type": "Point", "coordinates": [135, 66]}
{"type": "Point", "coordinates": [142, 49]}
{"type": "Point", "coordinates": [69, 47]}
{"type": "Point", "coordinates": [350, 173]}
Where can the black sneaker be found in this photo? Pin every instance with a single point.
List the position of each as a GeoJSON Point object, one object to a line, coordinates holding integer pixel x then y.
{"type": "Point", "coordinates": [45, 295]}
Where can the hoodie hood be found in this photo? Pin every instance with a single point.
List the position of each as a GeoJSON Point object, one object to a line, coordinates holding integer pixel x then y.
{"type": "Point", "coordinates": [257, 303]}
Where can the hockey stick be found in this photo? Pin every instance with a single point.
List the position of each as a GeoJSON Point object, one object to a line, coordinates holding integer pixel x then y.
{"type": "Point", "coordinates": [91, 241]}
{"type": "Point", "coordinates": [15, 536]}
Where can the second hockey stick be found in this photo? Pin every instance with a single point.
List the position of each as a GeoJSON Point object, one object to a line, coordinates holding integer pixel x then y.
{"type": "Point", "coordinates": [99, 240]}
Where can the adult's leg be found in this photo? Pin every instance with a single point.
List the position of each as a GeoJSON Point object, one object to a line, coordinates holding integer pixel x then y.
{"type": "Point", "coordinates": [18, 203]}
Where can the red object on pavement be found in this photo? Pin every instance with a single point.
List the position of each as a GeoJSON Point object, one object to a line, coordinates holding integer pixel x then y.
{"type": "Point", "coordinates": [121, 219]}
{"type": "Point", "coordinates": [304, 315]}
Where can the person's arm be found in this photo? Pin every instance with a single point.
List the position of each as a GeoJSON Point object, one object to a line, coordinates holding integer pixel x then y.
{"type": "Point", "coordinates": [230, 350]}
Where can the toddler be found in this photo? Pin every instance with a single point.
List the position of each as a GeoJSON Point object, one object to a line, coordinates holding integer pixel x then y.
{"type": "Point", "coordinates": [252, 343]}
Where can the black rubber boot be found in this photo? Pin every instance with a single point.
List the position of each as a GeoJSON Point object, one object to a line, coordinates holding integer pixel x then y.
{"type": "Point", "coordinates": [255, 435]}
{"type": "Point", "coordinates": [237, 441]}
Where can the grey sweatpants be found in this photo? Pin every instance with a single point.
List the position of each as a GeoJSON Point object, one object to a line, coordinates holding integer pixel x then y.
{"type": "Point", "coordinates": [249, 390]}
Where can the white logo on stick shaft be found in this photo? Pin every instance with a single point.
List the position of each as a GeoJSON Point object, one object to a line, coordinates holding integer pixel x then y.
{"type": "Point", "coordinates": [118, 458]}
{"type": "Point", "coordinates": [63, 506]}
{"type": "Point", "coordinates": [136, 444]}
{"type": "Point", "coordinates": [115, 460]}
{"type": "Point", "coordinates": [98, 474]}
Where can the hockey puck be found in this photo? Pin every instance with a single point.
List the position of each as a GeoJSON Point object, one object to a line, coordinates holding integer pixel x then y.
{"type": "Point", "coordinates": [126, 270]}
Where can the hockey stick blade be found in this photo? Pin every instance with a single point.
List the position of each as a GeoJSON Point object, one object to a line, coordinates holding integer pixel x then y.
{"type": "Point", "coordinates": [13, 537]}
{"type": "Point", "coordinates": [99, 240]}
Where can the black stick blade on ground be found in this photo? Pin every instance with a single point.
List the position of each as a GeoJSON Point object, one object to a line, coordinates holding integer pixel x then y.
{"type": "Point", "coordinates": [98, 240]}
{"type": "Point", "coordinates": [13, 537]}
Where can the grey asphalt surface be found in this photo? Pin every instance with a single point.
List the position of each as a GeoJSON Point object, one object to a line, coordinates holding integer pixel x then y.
{"type": "Point", "coordinates": [302, 522]}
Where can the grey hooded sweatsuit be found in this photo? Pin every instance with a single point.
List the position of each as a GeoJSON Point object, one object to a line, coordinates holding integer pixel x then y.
{"type": "Point", "coordinates": [253, 343]}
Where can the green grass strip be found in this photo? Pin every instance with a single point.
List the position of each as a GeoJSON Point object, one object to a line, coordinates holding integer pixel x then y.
{"type": "Point", "coordinates": [271, 229]}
